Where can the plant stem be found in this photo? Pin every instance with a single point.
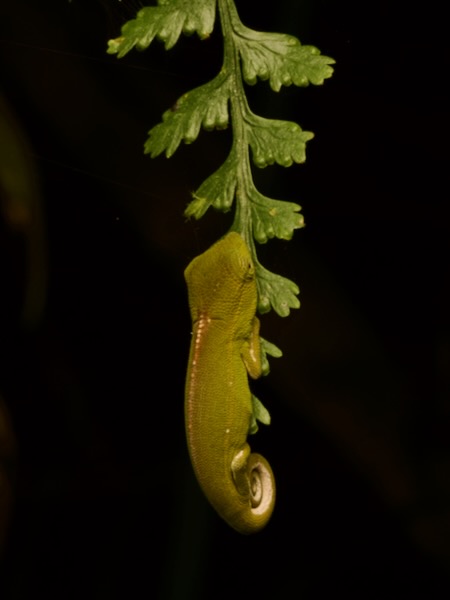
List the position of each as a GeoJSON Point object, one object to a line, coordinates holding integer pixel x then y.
{"type": "Point", "coordinates": [239, 110]}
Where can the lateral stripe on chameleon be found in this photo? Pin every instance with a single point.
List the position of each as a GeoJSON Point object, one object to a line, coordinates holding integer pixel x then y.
{"type": "Point", "coordinates": [225, 349]}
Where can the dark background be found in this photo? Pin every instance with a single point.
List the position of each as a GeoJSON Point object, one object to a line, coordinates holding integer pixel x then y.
{"type": "Point", "coordinates": [94, 324]}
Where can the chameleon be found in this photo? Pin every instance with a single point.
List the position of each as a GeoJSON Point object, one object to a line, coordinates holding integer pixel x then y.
{"type": "Point", "coordinates": [225, 350]}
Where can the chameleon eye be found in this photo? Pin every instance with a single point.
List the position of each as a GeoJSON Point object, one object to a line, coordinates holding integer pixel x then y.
{"type": "Point", "coordinates": [249, 270]}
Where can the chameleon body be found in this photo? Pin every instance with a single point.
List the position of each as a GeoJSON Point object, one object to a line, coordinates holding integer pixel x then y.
{"type": "Point", "coordinates": [225, 349]}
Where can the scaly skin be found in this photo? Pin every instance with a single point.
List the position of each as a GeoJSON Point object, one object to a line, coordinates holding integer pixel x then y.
{"type": "Point", "coordinates": [225, 349]}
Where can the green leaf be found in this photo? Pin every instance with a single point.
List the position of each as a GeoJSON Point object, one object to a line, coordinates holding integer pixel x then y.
{"type": "Point", "coordinates": [259, 413]}
{"type": "Point", "coordinates": [274, 141]}
{"type": "Point", "coordinates": [280, 58]}
{"type": "Point", "coordinates": [267, 348]}
{"type": "Point", "coordinates": [270, 349]}
{"type": "Point", "coordinates": [273, 217]}
{"type": "Point", "coordinates": [166, 22]}
{"type": "Point", "coordinates": [275, 292]}
{"type": "Point", "coordinates": [217, 191]}
{"type": "Point", "coordinates": [206, 105]}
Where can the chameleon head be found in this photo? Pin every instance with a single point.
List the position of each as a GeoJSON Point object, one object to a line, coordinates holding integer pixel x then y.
{"type": "Point", "coordinates": [230, 254]}
{"type": "Point", "coordinates": [223, 276]}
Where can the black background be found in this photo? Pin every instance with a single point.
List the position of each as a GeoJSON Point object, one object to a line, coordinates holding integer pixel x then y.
{"type": "Point", "coordinates": [105, 504]}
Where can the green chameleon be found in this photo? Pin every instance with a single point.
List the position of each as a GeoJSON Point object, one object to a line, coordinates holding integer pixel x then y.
{"type": "Point", "coordinates": [225, 349]}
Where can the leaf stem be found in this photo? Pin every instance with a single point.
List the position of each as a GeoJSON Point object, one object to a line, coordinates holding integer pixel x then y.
{"type": "Point", "coordinates": [239, 109]}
